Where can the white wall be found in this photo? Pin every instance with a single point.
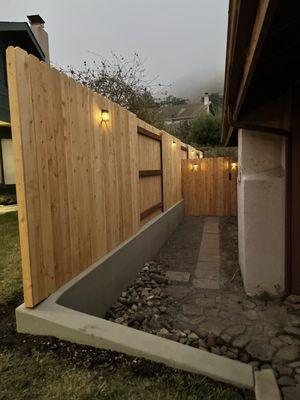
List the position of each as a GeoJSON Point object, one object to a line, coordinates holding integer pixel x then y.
{"type": "Point", "coordinates": [261, 211]}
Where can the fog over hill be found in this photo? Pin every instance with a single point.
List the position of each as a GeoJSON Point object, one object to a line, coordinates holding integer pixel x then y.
{"type": "Point", "coordinates": [194, 85]}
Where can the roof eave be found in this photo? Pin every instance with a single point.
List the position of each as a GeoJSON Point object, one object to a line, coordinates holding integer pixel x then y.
{"type": "Point", "coordinates": [22, 27]}
{"type": "Point", "coordinates": [248, 27]}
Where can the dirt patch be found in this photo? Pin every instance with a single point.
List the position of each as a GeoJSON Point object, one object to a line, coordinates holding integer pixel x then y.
{"type": "Point", "coordinates": [231, 277]}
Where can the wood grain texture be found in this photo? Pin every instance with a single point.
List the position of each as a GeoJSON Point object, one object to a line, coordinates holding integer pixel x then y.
{"type": "Point", "coordinates": [149, 153]}
{"type": "Point", "coordinates": [78, 185]}
{"type": "Point", "coordinates": [184, 151]}
{"type": "Point", "coordinates": [171, 157]}
{"type": "Point", "coordinates": [150, 160]}
{"type": "Point", "coordinates": [209, 186]}
{"type": "Point", "coordinates": [183, 155]}
{"type": "Point", "coordinates": [192, 152]}
{"type": "Point", "coordinates": [150, 192]}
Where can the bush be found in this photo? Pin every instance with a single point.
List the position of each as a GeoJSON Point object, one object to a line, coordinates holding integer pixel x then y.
{"type": "Point", "coordinates": [8, 198]}
{"type": "Point", "coordinates": [206, 131]}
{"type": "Point", "coordinates": [218, 151]}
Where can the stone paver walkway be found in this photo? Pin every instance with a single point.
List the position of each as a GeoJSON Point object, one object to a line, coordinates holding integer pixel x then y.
{"type": "Point", "coordinates": [193, 293]}
{"type": "Point", "coordinates": [207, 272]}
{"type": "Point", "coordinates": [212, 303]}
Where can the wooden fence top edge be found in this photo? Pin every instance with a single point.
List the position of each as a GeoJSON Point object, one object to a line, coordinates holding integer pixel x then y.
{"type": "Point", "coordinates": [142, 130]}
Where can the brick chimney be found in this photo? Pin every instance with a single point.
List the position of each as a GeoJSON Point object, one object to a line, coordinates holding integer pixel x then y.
{"type": "Point", "coordinates": [37, 27]}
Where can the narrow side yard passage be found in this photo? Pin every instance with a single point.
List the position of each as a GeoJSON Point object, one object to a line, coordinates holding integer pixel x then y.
{"type": "Point", "coordinates": [45, 368]}
{"type": "Point", "coordinates": [192, 293]}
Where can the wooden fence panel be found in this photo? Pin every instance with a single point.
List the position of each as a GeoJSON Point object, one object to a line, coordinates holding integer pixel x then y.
{"type": "Point", "coordinates": [209, 186]}
{"type": "Point", "coordinates": [183, 155]}
{"type": "Point", "coordinates": [150, 171]}
{"type": "Point", "coordinates": [193, 153]}
{"type": "Point", "coordinates": [150, 192]}
{"type": "Point", "coordinates": [149, 153]}
{"type": "Point", "coordinates": [184, 151]}
{"type": "Point", "coordinates": [26, 171]}
{"type": "Point", "coordinates": [78, 179]}
{"type": "Point", "coordinates": [171, 170]}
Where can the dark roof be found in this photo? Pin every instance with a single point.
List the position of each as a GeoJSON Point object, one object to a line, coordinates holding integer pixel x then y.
{"type": "Point", "coordinates": [35, 19]}
{"type": "Point", "coordinates": [19, 34]}
{"type": "Point", "coordinates": [182, 111]}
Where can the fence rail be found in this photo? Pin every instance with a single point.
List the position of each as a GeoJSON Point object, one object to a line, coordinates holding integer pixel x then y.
{"type": "Point", "coordinates": [151, 186]}
{"type": "Point", "coordinates": [79, 184]}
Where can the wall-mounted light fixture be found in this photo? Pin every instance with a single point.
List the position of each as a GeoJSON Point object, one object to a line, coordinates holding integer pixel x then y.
{"type": "Point", "coordinates": [195, 167]}
{"type": "Point", "coordinates": [104, 116]}
{"type": "Point", "coordinates": [233, 166]}
{"type": "Point", "coordinates": [174, 143]}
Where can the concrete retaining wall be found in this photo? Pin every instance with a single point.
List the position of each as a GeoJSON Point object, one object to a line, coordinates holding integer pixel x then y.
{"type": "Point", "coordinates": [97, 288]}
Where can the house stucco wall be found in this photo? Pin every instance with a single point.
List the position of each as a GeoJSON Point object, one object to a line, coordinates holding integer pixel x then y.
{"type": "Point", "coordinates": [261, 211]}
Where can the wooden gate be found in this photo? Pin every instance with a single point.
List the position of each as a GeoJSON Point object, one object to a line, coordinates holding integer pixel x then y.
{"type": "Point", "coordinates": [209, 186]}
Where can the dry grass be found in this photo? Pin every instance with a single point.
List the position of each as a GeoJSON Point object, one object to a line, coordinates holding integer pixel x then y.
{"type": "Point", "coordinates": [41, 376]}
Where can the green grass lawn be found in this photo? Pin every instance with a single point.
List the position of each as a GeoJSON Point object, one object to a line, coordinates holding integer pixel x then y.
{"type": "Point", "coordinates": [10, 259]}
{"type": "Point", "coordinates": [44, 368]}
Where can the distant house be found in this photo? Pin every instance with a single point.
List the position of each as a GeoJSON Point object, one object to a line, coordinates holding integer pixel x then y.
{"type": "Point", "coordinates": [175, 115]}
{"type": "Point", "coordinates": [34, 40]}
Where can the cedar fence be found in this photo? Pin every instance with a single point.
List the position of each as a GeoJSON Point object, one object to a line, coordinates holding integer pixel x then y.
{"type": "Point", "coordinates": [83, 186]}
{"type": "Point", "coordinates": [209, 186]}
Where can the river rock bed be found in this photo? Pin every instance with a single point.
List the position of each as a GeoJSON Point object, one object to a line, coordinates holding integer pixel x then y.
{"type": "Point", "coordinates": [147, 305]}
{"type": "Point", "coordinates": [262, 331]}
{"type": "Point", "coordinates": [265, 334]}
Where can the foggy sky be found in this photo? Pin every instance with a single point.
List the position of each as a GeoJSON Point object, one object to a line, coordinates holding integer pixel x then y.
{"type": "Point", "coordinates": [182, 41]}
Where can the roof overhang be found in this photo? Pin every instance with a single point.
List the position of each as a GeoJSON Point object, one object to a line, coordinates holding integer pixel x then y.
{"type": "Point", "coordinates": [263, 58]}
{"type": "Point", "coordinates": [19, 34]}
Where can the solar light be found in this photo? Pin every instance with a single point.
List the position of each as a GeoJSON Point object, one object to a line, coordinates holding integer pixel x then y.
{"type": "Point", "coordinates": [195, 167]}
{"type": "Point", "coordinates": [104, 116]}
{"type": "Point", "coordinates": [233, 166]}
{"type": "Point", "coordinates": [174, 143]}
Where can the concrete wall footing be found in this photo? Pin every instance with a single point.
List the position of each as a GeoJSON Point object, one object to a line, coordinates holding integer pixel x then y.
{"type": "Point", "coordinates": [51, 319]}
